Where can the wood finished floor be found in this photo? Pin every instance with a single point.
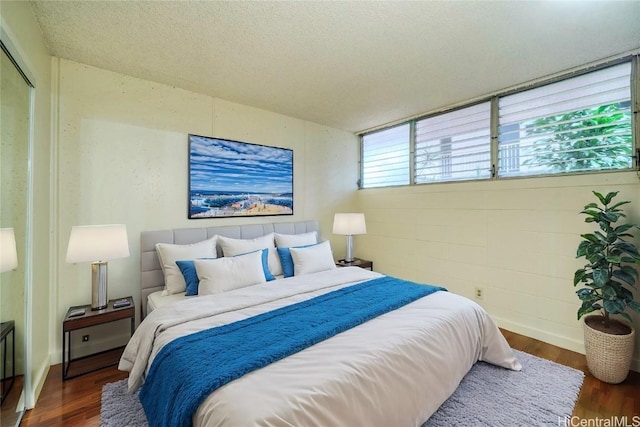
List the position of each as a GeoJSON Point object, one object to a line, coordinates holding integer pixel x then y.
{"type": "Point", "coordinates": [8, 414]}
{"type": "Point", "coordinates": [76, 402]}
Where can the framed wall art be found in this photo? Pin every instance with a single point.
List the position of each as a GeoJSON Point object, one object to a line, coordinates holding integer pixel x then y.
{"type": "Point", "coordinates": [232, 178]}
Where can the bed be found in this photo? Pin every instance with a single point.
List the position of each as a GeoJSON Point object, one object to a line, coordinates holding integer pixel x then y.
{"type": "Point", "coordinates": [395, 369]}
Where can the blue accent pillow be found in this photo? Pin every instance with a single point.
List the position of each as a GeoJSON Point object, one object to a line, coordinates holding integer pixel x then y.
{"type": "Point", "coordinates": [265, 265]}
{"type": "Point", "coordinates": [286, 260]}
{"type": "Point", "coordinates": [188, 270]}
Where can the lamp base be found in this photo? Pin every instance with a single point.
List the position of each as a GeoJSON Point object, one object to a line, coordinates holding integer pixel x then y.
{"type": "Point", "coordinates": [99, 285]}
{"type": "Point", "coordinates": [349, 256]}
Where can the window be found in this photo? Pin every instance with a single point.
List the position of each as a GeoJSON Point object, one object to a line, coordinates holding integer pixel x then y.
{"type": "Point", "coordinates": [580, 124]}
{"type": "Point", "coordinates": [454, 146]}
{"type": "Point", "coordinates": [386, 157]}
{"type": "Point", "coordinates": [575, 125]}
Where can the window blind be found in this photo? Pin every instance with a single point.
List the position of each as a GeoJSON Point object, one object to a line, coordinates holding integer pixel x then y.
{"type": "Point", "coordinates": [385, 157]}
{"type": "Point", "coordinates": [579, 124]}
{"type": "Point", "coordinates": [454, 146]}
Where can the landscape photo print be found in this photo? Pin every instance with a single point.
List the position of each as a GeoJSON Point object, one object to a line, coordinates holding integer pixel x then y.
{"type": "Point", "coordinates": [232, 178]}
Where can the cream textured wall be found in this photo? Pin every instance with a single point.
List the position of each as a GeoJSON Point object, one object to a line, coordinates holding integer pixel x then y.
{"type": "Point", "coordinates": [14, 152]}
{"type": "Point", "coordinates": [122, 155]}
{"type": "Point", "coordinates": [21, 26]}
{"type": "Point", "coordinates": [516, 239]}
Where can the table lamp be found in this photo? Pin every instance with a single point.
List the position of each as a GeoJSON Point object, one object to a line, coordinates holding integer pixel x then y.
{"type": "Point", "coordinates": [8, 253]}
{"type": "Point", "coordinates": [349, 224]}
{"type": "Point", "coordinates": [98, 244]}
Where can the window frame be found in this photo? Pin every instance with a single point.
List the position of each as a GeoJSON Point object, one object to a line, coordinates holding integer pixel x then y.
{"type": "Point", "coordinates": [633, 59]}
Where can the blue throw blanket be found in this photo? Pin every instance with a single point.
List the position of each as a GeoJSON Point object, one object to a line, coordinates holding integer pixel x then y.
{"type": "Point", "coordinates": [189, 368]}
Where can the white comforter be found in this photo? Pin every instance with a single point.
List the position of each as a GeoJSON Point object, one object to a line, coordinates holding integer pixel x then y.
{"type": "Point", "coordinates": [396, 369]}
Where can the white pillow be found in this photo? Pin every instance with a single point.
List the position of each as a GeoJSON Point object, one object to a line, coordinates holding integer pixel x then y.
{"type": "Point", "coordinates": [228, 273]}
{"type": "Point", "coordinates": [233, 247]}
{"type": "Point", "coordinates": [303, 239]}
{"type": "Point", "coordinates": [169, 253]}
{"type": "Point", "coordinates": [312, 258]}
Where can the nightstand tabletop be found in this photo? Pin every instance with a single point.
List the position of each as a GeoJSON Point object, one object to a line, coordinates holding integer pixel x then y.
{"type": "Point", "coordinates": [357, 262]}
{"type": "Point", "coordinates": [98, 317]}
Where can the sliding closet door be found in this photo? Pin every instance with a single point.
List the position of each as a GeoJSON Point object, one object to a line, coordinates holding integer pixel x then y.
{"type": "Point", "coordinates": [15, 95]}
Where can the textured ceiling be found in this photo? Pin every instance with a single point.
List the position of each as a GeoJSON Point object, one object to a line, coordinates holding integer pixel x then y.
{"type": "Point", "coordinates": [349, 65]}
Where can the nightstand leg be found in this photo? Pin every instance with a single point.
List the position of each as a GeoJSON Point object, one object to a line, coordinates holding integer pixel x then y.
{"type": "Point", "coordinates": [4, 369]}
{"type": "Point", "coordinates": [64, 355]}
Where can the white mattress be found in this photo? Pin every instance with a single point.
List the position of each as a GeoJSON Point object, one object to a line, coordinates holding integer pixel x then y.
{"type": "Point", "coordinates": [160, 298]}
{"type": "Point", "coordinates": [396, 369]}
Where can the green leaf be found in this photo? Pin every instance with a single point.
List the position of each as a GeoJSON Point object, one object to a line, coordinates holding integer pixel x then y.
{"type": "Point", "coordinates": [634, 306]}
{"type": "Point", "coordinates": [624, 276]}
{"type": "Point", "coordinates": [593, 215]}
{"type": "Point", "coordinates": [611, 216]}
{"type": "Point", "coordinates": [590, 237]}
{"type": "Point", "coordinates": [595, 255]}
{"type": "Point", "coordinates": [582, 248]}
{"type": "Point", "coordinates": [609, 197]}
{"type": "Point", "coordinates": [630, 271]}
{"type": "Point", "coordinates": [585, 310]}
{"type": "Point", "coordinates": [619, 204]}
{"type": "Point", "coordinates": [600, 197]}
{"type": "Point", "coordinates": [600, 277]}
{"type": "Point", "coordinates": [614, 306]}
{"type": "Point", "coordinates": [627, 247]}
{"type": "Point", "coordinates": [578, 276]}
{"type": "Point", "coordinates": [592, 206]}
{"type": "Point", "coordinates": [625, 294]}
{"type": "Point", "coordinates": [609, 292]}
{"type": "Point", "coordinates": [591, 212]}
{"type": "Point", "coordinates": [626, 316]}
{"type": "Point", "coordinates": [613, 259]}
{"type": "Point", "coordinates": [587, 294]}
{"type": "Point", "coordinates": [622, 228]}
{"type": "Point", "coordinates": [601, 237]}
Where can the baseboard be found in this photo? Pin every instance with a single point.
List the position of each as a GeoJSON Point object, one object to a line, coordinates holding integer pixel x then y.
{"type": "Point", "coordinates": [38, 381]}
{"type": "Point", "coordinates": [558, 340]}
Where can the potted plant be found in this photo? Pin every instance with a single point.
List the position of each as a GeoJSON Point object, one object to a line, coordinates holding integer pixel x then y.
{"type": "Point", "coordinates": [608, 279]}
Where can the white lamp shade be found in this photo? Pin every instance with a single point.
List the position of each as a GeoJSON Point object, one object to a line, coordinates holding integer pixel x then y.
{"type": "Point", "coordinates": [8, 253]}
{"type": "Point", "coordinates": [91, 243]}
{"type": "Point", "coordinates": [349, 224]}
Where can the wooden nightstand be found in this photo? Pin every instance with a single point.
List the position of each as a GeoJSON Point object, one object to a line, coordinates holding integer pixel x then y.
{"type": "Point", "coordinates": [93, 362]}
{"type": "Point", "coordinates": [357, 262]}
{"type": "Point", "coordinates": [7, 328]}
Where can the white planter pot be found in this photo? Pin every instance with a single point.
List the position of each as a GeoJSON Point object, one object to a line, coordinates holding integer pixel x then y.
{"type": "Point", "coordinates": [608, 356]}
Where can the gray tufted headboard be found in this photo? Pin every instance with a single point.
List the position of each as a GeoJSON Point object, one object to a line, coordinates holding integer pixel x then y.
{"type": "Point", "coordinates": [152, 279]}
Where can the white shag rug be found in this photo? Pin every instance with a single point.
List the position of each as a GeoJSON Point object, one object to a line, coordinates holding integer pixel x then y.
{"type": "Point", "coordinates": [542, 394]}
